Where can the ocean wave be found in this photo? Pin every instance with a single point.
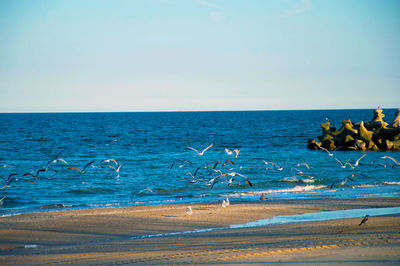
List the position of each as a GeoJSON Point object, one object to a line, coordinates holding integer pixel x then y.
{"type": "Point", "coordinates": [392, 183]}
{"type": "Point", "coordinates": [90, 191]}
{"type": "Point", "coordinates": [378, 184]}
{"type": "Point", "coordinates": [55, 206]}
{"type": "Point", "coordinates": [279, 191]}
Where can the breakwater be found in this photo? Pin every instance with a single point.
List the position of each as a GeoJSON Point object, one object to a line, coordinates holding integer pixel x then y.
{"type": "Point", "coordinates": [373, 135]}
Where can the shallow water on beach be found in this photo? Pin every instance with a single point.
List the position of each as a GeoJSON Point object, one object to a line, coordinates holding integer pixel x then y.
{"type": "Point", "coordinates": [148, 144]}
{"type": "Point", "coordinates": [289, 219]}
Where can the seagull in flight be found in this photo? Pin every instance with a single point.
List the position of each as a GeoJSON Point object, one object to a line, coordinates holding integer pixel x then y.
{"type": "Point", "coordinates": [180, 165]}
{"type": "Point", "coordinates": [357, 162]}
{"type": "Point", "coordinates": [343, 182]}
{"type": "Point", "coordinates": [343, 165]}
{"type": "Point", "coordinates": [201, 153]}
{"type": "Point", "coordinates": [233, 174]}
{"type": "Point", "coordinates": [236, 151]}
{"type": "Point", "coordinates": [329, 153]}
{"type": "Point", "coordinates": [391, 158]}
{"type": "Point", "coordinates": [115, 169]}
{"type": "Point", "coordinates": [2, 199]}
{"type": "Point", "coordinates": [55, 160]}
{"type": "Point", "coordinates": [37, 172]}
{"type": "Point", "coordinates": [111, 160]}
{"type": "Point", "coordinates": [13, 179]}
{"type": "Point", "coordinates": [228, 151]}
{"type": "Point", "coordinates": [12, 167]}
{"type": "Point", "coordinates": [79, 170]}
{"type": "Point", "coordinates": [223, 164]}
{"type": "Point", "coordinates": [305, 164]}
{"type": "Point", "coordinates": [277, 167]}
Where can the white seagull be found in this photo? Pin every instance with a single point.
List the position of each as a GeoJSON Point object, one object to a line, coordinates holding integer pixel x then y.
{"type": "Point", "coordinates": [329, 153]}
{"type": "Point", "coordinates": [343, 165]}
{"type": "Point", "coordinates": [189, 211]}
{"type": "Point", "coordinates": [236, 151]}
{"type": "Point", "coordinates": [201, 153]}
{"type": "Point", "coordinates": [362, 156]}
{"type": "Point", "coordinates": [228, 151]}
{"type": "Point", "coordinates": [391, 158]}
{"type": "Point", "coordinates": [111, 160]}
{"type": "Point", "coordinates": [306, 165]}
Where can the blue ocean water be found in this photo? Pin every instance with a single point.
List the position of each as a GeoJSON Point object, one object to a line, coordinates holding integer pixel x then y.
{"type": "Point", "coordinates": [147, 144]}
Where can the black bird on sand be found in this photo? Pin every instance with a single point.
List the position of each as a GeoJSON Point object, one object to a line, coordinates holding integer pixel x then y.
{"type": "Point", "coordinates": [364, 220]}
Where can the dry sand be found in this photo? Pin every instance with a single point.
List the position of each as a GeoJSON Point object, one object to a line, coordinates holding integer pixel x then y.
{"type": "Point", "coordinates": [104, 236]}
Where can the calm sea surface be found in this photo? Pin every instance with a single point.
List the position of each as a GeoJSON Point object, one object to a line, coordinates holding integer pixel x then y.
{"type": "Point", "coordinates": [148, 144]}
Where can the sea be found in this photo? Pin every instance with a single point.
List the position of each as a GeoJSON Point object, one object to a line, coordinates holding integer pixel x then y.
{"type": "Point", "coordinates": [142, 158]}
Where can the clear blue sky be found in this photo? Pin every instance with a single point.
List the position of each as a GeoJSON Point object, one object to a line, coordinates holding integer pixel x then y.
{"type": "Point", "coordinates": [58, 56]}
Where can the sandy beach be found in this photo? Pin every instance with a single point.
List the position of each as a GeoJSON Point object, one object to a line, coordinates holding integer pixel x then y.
{"type": "Point", "coordinates": [107, 236]}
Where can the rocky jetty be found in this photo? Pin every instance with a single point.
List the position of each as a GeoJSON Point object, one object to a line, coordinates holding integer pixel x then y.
{"type": "Point", "coordinates": [376, 135]}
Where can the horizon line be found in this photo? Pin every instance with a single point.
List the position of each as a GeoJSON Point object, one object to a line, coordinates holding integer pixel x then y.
{"type": "Point", "coordinates": [183, 111]}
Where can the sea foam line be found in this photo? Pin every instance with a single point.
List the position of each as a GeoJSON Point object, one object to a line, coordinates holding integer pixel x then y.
{"type": "Point", "coordinates": [278, 191]}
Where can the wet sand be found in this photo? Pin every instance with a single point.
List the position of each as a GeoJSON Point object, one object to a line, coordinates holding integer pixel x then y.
{"type": "Point", "coordinates": [104, 236]}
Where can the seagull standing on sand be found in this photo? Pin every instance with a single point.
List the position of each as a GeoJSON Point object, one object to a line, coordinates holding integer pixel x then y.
{"type": "Point", "coordinates": [224, 204]}
{"type": "Point", "coordinates": [262, 196]}
{"type": "Point", "coordinates": [364, 220]}
{"type": "Point", "coordinates": [201, 153]}
{"type": "Point", "coordinates": [189, 211]}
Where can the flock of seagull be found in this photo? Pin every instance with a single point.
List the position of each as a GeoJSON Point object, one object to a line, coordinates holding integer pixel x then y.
{"type": "Point", "coordinates": [209, 174]}
{"type": "Point", "coordinates": [233, 173]}
{"type": "Point", "coordinates": [33, 175]}
{"type": "Point", "coordinates": [214, 173]}
{"type": "Point", "coordinates": [230, 176]}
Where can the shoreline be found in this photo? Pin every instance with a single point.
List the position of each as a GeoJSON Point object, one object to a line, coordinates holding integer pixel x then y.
{"type": "Point", "coordinates": [78, 235]}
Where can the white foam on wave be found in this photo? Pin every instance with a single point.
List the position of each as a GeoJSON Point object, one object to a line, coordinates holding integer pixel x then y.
{"type": "Point", "coordinates": [392, 183]}
{"type": "Point", "coordinates": [377, 184]}
{"type": "Point", "coordinates": [280, 191]}
{"type": "Point", "coordinates": [8, 215]}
